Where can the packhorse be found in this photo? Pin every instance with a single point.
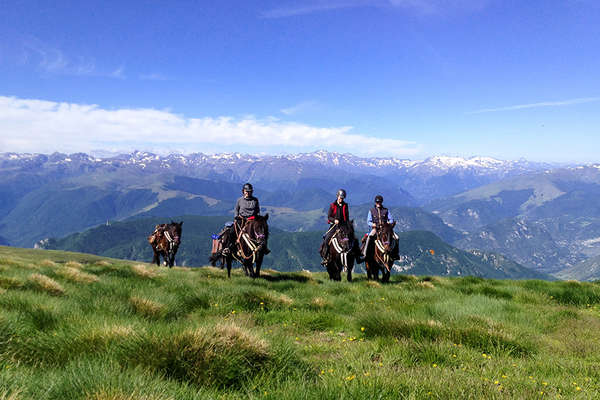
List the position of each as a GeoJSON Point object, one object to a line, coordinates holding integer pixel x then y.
{"type": "Point", "coordinates": [341, 251]}
{"type": "Point", "coordinates": [244, 242]}
{"type": "Point", "coordinates": [381, 258]}
{"type": "Point", "coordinates": [165, 241]}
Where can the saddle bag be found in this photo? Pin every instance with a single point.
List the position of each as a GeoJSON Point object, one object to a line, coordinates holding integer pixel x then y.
{"type": "Point", "coordinates": [216, 245]}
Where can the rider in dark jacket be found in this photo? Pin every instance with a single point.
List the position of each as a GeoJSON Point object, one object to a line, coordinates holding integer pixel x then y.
{"type": "Point", "coordinates": [376, 217]}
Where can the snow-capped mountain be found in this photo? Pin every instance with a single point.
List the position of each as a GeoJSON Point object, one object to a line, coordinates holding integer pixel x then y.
{"type": "Point", "coordinates": [294, 164]}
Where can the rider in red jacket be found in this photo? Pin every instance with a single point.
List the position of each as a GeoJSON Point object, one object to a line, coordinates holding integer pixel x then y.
{"type": "Point", "coordinates": [338, 212]}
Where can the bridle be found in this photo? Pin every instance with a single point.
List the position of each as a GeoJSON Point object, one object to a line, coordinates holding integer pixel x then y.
{"type": "Point", "coordinates": [253, 244]}
{"type": "Point", "coordinates": [338, 248]}
{"type": "Point", "coordinates": [384, 257]}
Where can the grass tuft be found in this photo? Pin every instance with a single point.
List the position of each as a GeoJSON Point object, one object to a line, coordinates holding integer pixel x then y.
{"type": "Point", "coordinates": [426, 285]}
{"type": "Point", "coordinates": [10, 395]}
{"type": "Point", "coordinates": [225, 355]}
{"type": "Point", "coordinates": [118, 395]}
{"type": "Point", "coordinates": [148, 308]}
{"type": "Point", "coordinates": [8, 282]}
{"type": "Point", "coordinates": [143, 271]}
{"type": "Point", "coordinates": [320, 303]}
{"type": "Point", "coordinates": [47, 284]}
{"type": "Point", "coordinates": [48, 263]}
{"type": "Point", "coordinates": [76, 275]}
{"type": "Point", "coordinates": [73, 264]}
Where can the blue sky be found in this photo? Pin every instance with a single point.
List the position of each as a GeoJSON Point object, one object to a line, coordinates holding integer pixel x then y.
{"type": "Point", "coordinates": [407, 78]}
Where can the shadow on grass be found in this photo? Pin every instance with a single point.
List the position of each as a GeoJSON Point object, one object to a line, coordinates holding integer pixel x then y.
{"type": "Point", "coordinates": [286, 277]}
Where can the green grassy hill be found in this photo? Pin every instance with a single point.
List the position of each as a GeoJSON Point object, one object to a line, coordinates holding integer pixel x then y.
{"type": "Point", "coordinates": [76, 326]}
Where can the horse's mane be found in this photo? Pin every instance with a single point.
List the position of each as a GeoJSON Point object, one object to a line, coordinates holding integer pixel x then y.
{"type": "Point", "coordinates": [347, 227]}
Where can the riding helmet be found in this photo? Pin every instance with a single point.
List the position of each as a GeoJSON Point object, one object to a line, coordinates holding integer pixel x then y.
{"type": "Point", "coordinates": [248, 187]}
{"type": "Point", "coordinates": [341, 193]}
{"type": "Point", "coordinates": [379, 199]}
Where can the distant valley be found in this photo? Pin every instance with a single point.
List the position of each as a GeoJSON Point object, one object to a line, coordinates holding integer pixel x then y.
{"type": "Point", "coordinates": [542, 216]}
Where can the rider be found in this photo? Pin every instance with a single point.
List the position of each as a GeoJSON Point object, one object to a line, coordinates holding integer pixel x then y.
{"type": "Point", "coordinates": [338, 212]}
{"type": "Point", "coordinates": [376, 217]}
{"type": "Point", "coordinates": [247, 207]}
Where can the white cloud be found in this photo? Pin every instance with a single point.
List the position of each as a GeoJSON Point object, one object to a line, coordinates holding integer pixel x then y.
{"type": "Point", "coordinates": [299, 108]}
{"type": "Point", "coordinates": [538, 105]}
{"type": "Point", "coordinates": [32, 51]}
{"type": "Point", "coordinates": [424, 7]}
{"type": "Point", "coordinates": [153, 77]}
{"type": "Point", "coordinates": [45, 126]}
{"type": "Point", "coordinates": [312, 7]}
{"type": "Point", "coordinates": [441, 6]}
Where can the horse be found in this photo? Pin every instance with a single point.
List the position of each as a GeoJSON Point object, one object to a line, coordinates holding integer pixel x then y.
{"type": "Point", "coordinates": [165, 241]}
{"type": "Point", "coordinates": [381, 258]}
{"type": "Point", "coordinates": [341, 251]}
{"type": "Point", "coordinates": [245, 242]}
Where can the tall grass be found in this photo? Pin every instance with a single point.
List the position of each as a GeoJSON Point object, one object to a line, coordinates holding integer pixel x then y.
{"type": "Point", "coordinates": [80, 327]}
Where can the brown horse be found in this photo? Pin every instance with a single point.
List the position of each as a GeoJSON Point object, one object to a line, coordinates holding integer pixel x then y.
{"type": "Point", "coordinates": [245, 242]}
{"type": "Point", "coordinates": [165, 241]}
{"type": "Point", "coordinates": [382, 255]}
{"type": "Point", "coordinates": [341, 252]}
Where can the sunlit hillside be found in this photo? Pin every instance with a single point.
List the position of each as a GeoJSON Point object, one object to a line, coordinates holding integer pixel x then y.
{"type": "Point", "coordinates": [76, 326]}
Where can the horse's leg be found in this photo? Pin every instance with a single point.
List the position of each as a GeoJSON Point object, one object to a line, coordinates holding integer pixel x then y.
{"type": "Point", "coordinates": [330, 270]}
{"type": "Point", "coordinates": [339, 267]}
{"type": "Point", "coordinates": [228, 261]}
{"type": "Point", "coordinates": [249, 268]}
{"type": "Point", "coordinates": [386, 276]}
{"type": "Point", "coordinates": [259, 261]}
{"type": "Point", "coordinates": [349, 273]}
{"type": "Point", "coordinates": [155, 258]}
{"type": "Point", "coordinates": [368, 268]}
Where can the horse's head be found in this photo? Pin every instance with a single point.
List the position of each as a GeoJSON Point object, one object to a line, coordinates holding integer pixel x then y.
{"type": "Point", "coordinates": [386, 235]}
{"type": "Point", "coordinates": [174, 229]}
{"type": "Point", "coordinates": [258, 229]}
{"type": "Point", "coordinates": [345, 235]}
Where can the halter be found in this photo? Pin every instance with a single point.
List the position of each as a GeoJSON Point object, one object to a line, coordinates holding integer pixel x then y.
{"type": "Point", "coordinates": [251, 243]}
{"type": "Point", "coordinates": [343, 254]}
{"type": "Point", "coordinates": [385, 257]}
{"type": "Point", "coordinates": [170, 239]}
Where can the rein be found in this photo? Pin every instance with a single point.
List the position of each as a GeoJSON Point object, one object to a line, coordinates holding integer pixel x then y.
{"type": "Point", "coordinates": [251, 243]}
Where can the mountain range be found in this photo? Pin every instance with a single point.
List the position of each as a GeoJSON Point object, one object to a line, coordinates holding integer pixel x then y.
{"type": "Point", "coordinates": [548, 221]}
{"type": "Point", "coordinates": [540, 215]}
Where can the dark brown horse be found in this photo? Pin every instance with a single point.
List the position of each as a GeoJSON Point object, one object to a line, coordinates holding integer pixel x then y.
{"type": "Point", "coordinates": [245, 242]}
{"type": "Point", "coordinates": [382, 256]}
{"type": "Point", "coordinates": [341, 252]}
{"type": "Point", "coordinates": [165, 241]}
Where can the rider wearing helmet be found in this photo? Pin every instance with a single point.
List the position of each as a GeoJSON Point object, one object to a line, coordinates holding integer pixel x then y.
{"type": "Point", "coordinates": [376, 217]}
{"type": "Point", "coordinates": [338, 212]}
{"type": "Point", "coordinates": [247, 206]}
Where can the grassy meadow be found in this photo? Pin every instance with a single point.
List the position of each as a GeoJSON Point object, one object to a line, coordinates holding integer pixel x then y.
{"type": "Point", "coordinates": [75, 326]}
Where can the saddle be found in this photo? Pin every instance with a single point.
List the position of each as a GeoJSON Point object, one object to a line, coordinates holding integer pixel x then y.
{"type": "Point", "coordinates": [157, 234]}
